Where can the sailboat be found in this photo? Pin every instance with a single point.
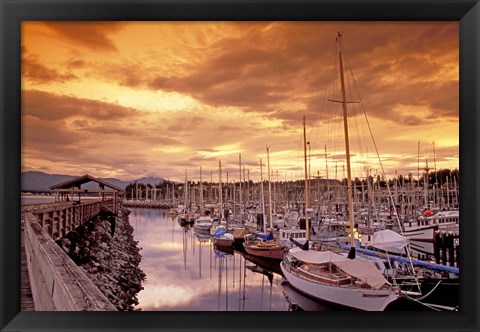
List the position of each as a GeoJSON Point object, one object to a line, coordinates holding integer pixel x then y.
{"type": "Point", "coordinates": [331, 277]}
{"type": "Point", "coordinates": [262, 244]}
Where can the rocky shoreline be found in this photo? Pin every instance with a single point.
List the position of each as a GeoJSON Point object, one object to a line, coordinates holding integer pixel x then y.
{"type": "Point", "coordinates": [111, 262]}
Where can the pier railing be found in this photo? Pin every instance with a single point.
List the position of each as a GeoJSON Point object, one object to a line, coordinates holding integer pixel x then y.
{"type": "Point", "coordinates": [57, 219]}
{"type": "Point", "coordinates": [57, 282]}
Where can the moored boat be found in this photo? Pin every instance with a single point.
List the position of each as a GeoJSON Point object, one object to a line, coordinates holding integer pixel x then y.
{"type": "Point", "coordinates": [334, 278]}
{"type": "Point", "coordinates": [330, 277]}
{"type": "Point", "coordinates": [222, 238]}
{"type": "Point", "coordinates": [186, 218]}
{"type": "Point", "coordinates": [267, 248]}
{"type": "Point", "coordinates": [203, 223]}
{"type": "Point", "coordinates": [287, 234]}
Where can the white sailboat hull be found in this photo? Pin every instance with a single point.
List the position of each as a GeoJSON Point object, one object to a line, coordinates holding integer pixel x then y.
{"type": "Point", "coordinates": [202, 227]}
{"type": "Point", "coordinates": [357, 298]}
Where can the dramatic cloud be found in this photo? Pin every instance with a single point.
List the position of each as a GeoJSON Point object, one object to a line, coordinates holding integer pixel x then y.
{"type": "Point", "coordinates": [94, 35]}
{"type": "Point", "coordinates": [161, 97]}
{"type": "Point", "coordinates": [37, 73]}
{"type": "Point", "coordinates": [51, 107]}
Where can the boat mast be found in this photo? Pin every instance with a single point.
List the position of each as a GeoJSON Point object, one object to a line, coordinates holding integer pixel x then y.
{"type": "Point", "coordinates": [240, 190]}
{"type": "Point", "coordinates": [436, 187]}
{"type": "Point", "coordinates": [347, 143]}
{"type": "Point", "coordinates": [269, 189]}
{"type": "Point", "coordinates": [328, 182]}
{"type": "Point", "coordinates": [220, 193]}
{"type": "Point", "coordinates": [307, 224]}
{"type": "Point", "coordinates": [185, 192]}
{"type": "Point", "coordinates": [262, 198]}
{"type": "Point", "coordinates": [202, 211]}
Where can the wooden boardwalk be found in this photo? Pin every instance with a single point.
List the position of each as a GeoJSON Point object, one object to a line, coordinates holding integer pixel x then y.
{"type": "Point", "coordinates": [26, 289]}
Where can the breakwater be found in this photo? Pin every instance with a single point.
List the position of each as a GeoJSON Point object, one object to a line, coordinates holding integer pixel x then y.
{"type": "Point", "coordinates": [147, 204]}
{"type": "Point", "coordinates": [106, 250]}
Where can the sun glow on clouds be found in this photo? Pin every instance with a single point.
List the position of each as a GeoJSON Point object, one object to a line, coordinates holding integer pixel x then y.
{"type": "Point", "coordinates": [222, 150]}
{"type": "Point", "coordinates": [161, 97]}
{"type": "Point", "coordinates": [170, 150]}
{"type": "Point", "coordinates": [143, 100]}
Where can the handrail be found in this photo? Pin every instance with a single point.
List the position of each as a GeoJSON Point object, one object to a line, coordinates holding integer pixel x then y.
{"type": "Point", "coordinates": [57, 283]}
{"type": "Point", "coordinates": [57, 219]}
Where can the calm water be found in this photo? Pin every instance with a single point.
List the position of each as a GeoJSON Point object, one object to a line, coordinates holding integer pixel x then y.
{"type": "Point", "coordinates": [184, 272]}
{"type": "Point", "coordinates": [36, 199]}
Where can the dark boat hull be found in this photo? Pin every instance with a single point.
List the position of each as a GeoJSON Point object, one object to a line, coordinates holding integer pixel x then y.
{"type": "Point", "coordinates": [274, 252]}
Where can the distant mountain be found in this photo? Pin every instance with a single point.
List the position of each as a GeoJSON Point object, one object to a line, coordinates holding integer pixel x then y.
{"type": "Point", "coordinates": [35, 181]}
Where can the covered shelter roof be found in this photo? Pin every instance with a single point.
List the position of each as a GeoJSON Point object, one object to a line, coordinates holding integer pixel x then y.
{"type": "Point", "coordinates": [78, 181]}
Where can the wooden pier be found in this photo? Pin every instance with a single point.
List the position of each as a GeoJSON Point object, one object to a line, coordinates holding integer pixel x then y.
{"type": "Point", "coordinates": [25, 287]}
{"type": "Point", "coordinates": [50, 280]}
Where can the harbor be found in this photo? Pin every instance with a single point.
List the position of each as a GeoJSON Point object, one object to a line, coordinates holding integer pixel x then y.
{"type": "Point", "coordinates": [185, 269]}
{"type": "Point", "coordinates": [337, 189]}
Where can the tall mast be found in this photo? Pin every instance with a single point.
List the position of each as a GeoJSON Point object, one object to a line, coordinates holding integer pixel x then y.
{"type": "Point", "coordinates": [202, 211]}
{"type": "Point", "coordinates": [418, 162]}
{"type": "Point", "coordinates": [185, 191]}
{"type": "Point", "coordinates": [269, 189]}
{"type": "Point", "coordinates": [326, 172]}
{"type": "Point", "coordinates": [240, 196]}
{"type": "Point", "coordinates": [233, 200]}
{"type": "Point", "coordinates": [220, 193]}
{"type": "Point", "coordinates": [307, 223]}
{"type": "Point", "coordinates": [425, 185]}
{"type": "Point", "coordinates": [262, 198]}
{"type": "Point", "coordinates": [435, 186]}
{"type": "Point", "coordinates": [347, 143]}
{"type": "Point", "coordinates": [249, 193]}
{"type": "Point", "coordinates": [448, 193]}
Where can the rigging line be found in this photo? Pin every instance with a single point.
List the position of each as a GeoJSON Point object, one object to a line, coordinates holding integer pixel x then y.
{"type": "Point", "coordinates": [325, 108]}
{"type": "Point", "coordinates": [431, 306]}
{"type": "Point", "coordinates": [327, 85]}
{"type": "Point", "coordinates": [424, 304]}
{"type": "Point", "coordinates": [428, 294]}
{"type": "Point", "coordinates": [354, 94]}
{"type": "Point", "coordinates": [388, 187]}
{"type": "Point", "coordinates": [354, 126]}
{"type": "Point", "coordinates": [331, 107]}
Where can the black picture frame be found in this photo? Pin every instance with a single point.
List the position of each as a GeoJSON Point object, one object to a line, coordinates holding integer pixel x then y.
{"type": "Point", "coordinates": [13, 12]}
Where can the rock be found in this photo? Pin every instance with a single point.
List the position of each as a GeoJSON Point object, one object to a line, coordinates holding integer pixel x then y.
{"type": "Point", "coordinates": [111, 263]}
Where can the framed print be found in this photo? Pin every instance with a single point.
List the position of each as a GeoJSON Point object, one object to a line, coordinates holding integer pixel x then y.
{"type": "Point", "coordinates": [199, 165]}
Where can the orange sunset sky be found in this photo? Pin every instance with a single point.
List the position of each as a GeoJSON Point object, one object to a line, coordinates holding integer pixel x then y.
{"type": "Point", "coordinates": [133, 99]}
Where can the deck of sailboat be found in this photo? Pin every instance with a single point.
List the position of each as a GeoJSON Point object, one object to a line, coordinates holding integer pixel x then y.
{"type": "Point", "coordinates": [322, 274]}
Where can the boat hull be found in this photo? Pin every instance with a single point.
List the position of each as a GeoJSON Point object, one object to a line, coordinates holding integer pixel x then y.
{"type": "Point", "coordinates": [202, 227]}
{"type": "Point", "coordinates": [225, 249]}
{"type": "Point", "coordinates": [223, 242]}
{"type": "Point", "coordinates": [357, 298]}
{"type": "Point", "coordinates": [420, 233]}
{"type": "Point", "coordinates": [273, 253]}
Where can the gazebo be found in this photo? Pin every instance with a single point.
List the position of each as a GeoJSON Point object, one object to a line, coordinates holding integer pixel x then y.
{"type": "Point", "coordinates": [71, 189]}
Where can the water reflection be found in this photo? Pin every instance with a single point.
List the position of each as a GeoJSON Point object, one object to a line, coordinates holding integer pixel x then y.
{"type": "Point", "coordinates": [186, 272]}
